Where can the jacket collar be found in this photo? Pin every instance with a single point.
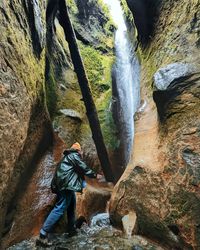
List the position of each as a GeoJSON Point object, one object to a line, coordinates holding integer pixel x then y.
{"type": "Point", "coordinates": [69, 151]}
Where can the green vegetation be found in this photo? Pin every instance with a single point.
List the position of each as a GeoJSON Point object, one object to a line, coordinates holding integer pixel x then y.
{"type": "Point", "coordinates": [109, 26]}
{"type": "Point", "coordinates": [72, 7]}
{"type": "Point", "coordinates": [106, 120]}
{"type": "Point", "coordinates": [51, 91]}
{"type": "Point", "coordinates": [98, 59]}
{"type": "Point", "coordinates": [127, 12]}
{"type": "Point", "coordinates": [104, 8]}
{"type": "Point", "coordinates": [98, 67]}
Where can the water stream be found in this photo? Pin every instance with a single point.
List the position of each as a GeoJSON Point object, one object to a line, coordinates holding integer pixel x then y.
{"type": "Point", "coordinates": [126, 81]}
{"type": "Point", "coordinates": [99, 235]}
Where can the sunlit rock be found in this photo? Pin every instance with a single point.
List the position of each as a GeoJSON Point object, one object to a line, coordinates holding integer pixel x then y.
{"type": "Point", "coordinates": [129, 223]}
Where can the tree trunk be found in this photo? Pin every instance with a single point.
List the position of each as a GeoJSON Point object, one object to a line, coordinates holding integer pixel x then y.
{"type": "Point", "coordinates": [86, 92]}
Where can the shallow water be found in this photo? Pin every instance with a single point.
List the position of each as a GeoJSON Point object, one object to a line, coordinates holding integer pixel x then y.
{"type": "Point", "coordinates": [99, 236]}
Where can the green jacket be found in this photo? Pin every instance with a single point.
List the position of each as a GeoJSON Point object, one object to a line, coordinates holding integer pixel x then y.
{"type": "Point", "coordinates": [70, 172]}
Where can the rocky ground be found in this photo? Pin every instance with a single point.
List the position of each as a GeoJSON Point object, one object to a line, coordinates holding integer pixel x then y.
{"type": "Point", "coordinates": [92, 238]}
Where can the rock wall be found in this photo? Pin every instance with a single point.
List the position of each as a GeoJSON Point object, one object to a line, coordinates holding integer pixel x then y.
{"type": "Point", "coordinates": [161, 183]}
{"type": "Point", "coordinates": [25, 126]}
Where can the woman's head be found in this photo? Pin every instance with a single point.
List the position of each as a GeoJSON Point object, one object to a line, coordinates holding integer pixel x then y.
{"type": "Point", "coordinates": [76, 146]}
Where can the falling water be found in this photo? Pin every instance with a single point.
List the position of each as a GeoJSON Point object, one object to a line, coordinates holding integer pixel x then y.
{"type": "Point", "coordinates": [126, 89]}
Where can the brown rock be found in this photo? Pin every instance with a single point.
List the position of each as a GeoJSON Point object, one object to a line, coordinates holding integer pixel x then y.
{"type": "Point", "coordinates": [93, 200]}
{"type": "Point", "coordinates": [34, 204]}
{"type": "Point", "coordinates": [25, 128]}
{"type": "Point", "coordinates": [161, 183]}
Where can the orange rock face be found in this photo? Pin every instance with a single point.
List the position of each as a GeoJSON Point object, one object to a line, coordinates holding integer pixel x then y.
{"type": "Point", "coordinates": [37, 199]}
{"type": "Point", "coordinates": [94, 199]}
{"type": "Point", "coordinates": [25, 127]}
{"type": "Point", "coordinates": [161, 183]}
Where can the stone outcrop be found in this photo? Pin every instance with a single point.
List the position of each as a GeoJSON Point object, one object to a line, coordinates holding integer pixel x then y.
{"type": "Point", "coordinates": [161, 183]}
{"type": "Point", "coordinates": [94, 199]}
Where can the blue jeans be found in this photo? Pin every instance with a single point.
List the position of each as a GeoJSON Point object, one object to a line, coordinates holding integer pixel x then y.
{"type": "Point", "coordinates": [66, 200]}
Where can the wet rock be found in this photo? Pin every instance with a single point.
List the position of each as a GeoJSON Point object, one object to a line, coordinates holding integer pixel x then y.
{"type": "Point", "coordinates": [38, 199]}
{"type": "Point", "coordinates": [145, 14]}
{"type": "Point", "coordinates": [26, 130]}
{"type": "Point", "coordinates": [34, 11]}
{"type": "Point", "coordinates": [93, 200]}
{"type": "Point", "coordinates": [172, 72]}
{"type": "Point", "coordinates": [68, 128]}
{"type": "Point", "coordinates": [93, 20]}
{"type": "Point", "coordinates": [177, 97]}
{"type": "Point", "coordinates": [102, 239]}
{"type": "Point", "coordinates": [29, 76]}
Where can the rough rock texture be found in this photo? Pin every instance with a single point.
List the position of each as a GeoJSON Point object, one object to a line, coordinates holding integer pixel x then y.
{"type": "Point", "coordinates": [25, 129]}
{"type": "Point", "coordinates": [146, 14]}
{"type": "Point", "coordinates": [161, 183]}
{"type": "Point", "coordinates": [38, 199]}
{"type": "Point", "coordinates": [90, 22]}
{"type": "Point", "coordinates": [94, 199]}
{"type": "Point", "coordinates": [90, 238]}
{"type": "Point", "coordinates": [164, 77]}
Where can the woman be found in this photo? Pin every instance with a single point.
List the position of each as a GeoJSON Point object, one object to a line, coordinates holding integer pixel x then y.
{"type": "Point", "coordinates": [68, 179]}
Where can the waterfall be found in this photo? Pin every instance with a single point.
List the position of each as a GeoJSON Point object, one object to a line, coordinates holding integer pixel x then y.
{"type": "Point", "coordinates": [126, 82]}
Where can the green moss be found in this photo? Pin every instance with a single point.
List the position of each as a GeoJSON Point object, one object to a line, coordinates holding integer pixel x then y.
{"type": "Point", "coordinates": [149, 67]}
{"type": "Point", "coordinates": [110, 23]}
{"type": "Point", "coordinates": [51, 91]}
{"type": "Point", "coordinates": [108, 127]}
{"type": "Point", "coordinates": [72, 7]}
{"type": "Point", "coordinates": [98, 67]}
{"type": "Point", "coordinates": [104, 7]}
{"type": "Point", "coordinates": [25, 64]}
{"type": "Point", "coordinates": [128, 14]}
{"type": "Point", "coordinates": [109, 26]}
{"type": "Point", "coordinates": [71, 99]}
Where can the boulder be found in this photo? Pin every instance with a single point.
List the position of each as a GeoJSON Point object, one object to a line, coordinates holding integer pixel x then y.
{"type": "Point", "coordinates": [172, 72]}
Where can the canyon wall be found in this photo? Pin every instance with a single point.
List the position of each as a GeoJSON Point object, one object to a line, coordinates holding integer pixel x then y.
{"type": "Point", "coordinates": [161, 183]}
{"type": "Point", "coordinates": [25, 125]}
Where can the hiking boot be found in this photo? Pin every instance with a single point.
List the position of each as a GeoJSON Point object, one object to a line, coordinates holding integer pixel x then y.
{"type": "Point", "coordinates": [43, 242]}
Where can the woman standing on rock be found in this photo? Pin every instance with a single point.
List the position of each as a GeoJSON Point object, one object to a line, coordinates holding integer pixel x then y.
{"type": "Point", "coordinates": [68, 179]}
